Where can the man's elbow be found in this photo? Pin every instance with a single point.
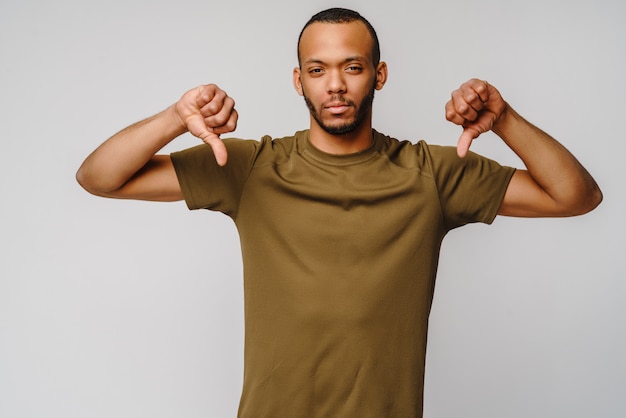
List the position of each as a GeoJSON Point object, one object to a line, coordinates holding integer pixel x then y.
{"type": "Point", "coordinates": [83, 180]}
{"type": "Point", "coordinates": [595, 198]}
{"type": "Point", "coordinates": [91, 183]}
{"type": "Point", "coordinates": [585, 201]}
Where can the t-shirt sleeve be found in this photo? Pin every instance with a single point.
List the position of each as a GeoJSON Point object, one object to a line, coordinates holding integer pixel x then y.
{"type": "Point", "coordinates": [470, 189]}
{"type": "Point", "coordinates": [205, 184]}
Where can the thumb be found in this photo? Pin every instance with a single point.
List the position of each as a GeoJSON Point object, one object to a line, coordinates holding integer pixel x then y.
{"type": "Point", "coordinates": [197, 127]}
{"type": "Point", "coordinates": [218, 147]}
{"type": "Point", "coordinates": [465, 141]}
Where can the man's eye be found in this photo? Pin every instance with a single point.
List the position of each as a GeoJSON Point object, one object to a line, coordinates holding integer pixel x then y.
{"type": "Point", "coordinates": [354, 68]}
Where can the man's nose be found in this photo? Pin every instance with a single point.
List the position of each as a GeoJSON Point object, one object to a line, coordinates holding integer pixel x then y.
{"type": "Point", "coordinates": [336, 82]}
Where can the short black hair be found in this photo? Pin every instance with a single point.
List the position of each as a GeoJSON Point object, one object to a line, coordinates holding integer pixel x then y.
{"type": "Point", "coordinates": [339, 15]}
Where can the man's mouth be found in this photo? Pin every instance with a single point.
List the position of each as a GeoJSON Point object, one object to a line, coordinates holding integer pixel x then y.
{"type": "Point", "coordinates": [336, 108]}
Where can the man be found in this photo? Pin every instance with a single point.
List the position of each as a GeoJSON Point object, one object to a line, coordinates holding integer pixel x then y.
{"type": "Point", "coordinates": [340, 226]}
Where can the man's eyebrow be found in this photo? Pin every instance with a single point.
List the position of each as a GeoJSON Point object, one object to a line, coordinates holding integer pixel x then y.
{"type": "Point", "coordinates": [358, 58]}
{"type": "Point", "coordinates": [313, 61]}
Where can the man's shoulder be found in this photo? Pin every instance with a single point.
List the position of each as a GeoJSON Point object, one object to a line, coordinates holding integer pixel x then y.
{"type": "Point", "coordinates": [266, 150]}
{"type": "Point", "coordinates": [415, 145]}
{"type": "Point", "coordinates": [265, 141]}
{"type": "Point", "coordinates": [412, 153]}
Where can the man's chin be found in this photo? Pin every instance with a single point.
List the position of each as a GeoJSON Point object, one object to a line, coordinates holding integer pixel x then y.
{"type": "Point", "coordinates": [339, 129]}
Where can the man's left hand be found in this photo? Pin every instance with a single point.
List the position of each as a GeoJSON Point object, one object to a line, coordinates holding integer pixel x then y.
{"type": "Point", "coordinates": [476, 106]}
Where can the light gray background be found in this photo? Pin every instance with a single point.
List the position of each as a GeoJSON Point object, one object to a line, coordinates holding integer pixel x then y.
{"type": "Point", "coordinates": [132, 309]}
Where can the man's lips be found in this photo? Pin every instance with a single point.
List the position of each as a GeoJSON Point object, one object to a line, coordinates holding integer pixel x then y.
{"type": "Point", "coordinates": [336, 107]}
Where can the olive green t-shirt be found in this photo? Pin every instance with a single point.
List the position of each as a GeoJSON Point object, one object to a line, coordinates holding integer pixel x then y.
{"type": "Point", "coordinates": [340, 255]}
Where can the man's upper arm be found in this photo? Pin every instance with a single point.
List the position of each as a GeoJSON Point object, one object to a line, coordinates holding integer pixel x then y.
{"type": "Point", "coordinates": [525, 198]}
{"type": "Point", "coordinates": [156, 181]}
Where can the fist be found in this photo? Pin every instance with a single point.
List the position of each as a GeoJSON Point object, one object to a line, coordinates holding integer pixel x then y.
{"type": "Point", "coordinates": [476, 106]}
{"type": "Point", "coordinates": [207, 112]}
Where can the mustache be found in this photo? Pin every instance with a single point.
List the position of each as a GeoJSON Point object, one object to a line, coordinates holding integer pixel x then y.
{"type": "Point", "coordinates": [338, 98]}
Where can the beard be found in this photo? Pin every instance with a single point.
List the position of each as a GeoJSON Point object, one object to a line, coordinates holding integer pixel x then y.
{"type": "Point", "coordinates": [362, 111]}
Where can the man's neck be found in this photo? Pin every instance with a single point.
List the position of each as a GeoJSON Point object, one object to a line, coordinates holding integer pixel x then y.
{"type": "Point", "coordinates": [352, 142]}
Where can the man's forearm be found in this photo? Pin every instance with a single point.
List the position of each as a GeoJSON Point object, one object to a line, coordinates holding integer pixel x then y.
{"type": "Point", "coordinates": [550, 164]}
{"type": "Point", "coordinates": [114, 162]}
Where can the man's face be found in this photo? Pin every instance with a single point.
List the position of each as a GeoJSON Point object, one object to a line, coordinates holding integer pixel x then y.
{"type": "Point", "coordinates": [337, 77]}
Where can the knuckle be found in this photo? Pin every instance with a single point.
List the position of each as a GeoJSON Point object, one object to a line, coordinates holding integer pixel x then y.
{"type": "Point", "coordinates": [215, 121]}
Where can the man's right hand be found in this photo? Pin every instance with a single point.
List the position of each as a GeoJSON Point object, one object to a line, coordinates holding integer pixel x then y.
{"type": "Point", "coordinates": [207, 112]}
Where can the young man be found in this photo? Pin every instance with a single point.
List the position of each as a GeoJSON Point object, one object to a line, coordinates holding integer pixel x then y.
{"type": "Point", "coordinates": [340, 226]}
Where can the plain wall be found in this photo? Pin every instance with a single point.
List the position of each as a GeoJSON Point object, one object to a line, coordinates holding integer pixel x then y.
{"type": "Point", "coordinates": [133, 309]}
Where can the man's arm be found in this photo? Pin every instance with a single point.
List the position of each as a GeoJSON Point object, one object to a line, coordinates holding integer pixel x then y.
{"type": "Point", "coordinates": [554, 184]}
{"type": "Point", "coordinates": [126, 165]}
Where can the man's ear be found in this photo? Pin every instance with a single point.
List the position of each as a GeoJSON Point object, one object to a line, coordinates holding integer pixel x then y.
{"type": "Point", "coordinates": [297, 80]}
{"type": "Point", "coordinates": [381, 75]}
